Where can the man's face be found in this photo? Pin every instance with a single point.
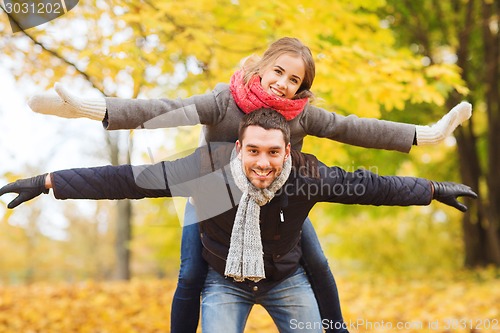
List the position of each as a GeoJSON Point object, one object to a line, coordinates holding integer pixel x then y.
{"type": "Point", "coordinates": [262, 153]}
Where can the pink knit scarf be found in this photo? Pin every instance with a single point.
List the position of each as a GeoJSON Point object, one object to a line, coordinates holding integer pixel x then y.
{"type": "Point", "coordinates": [250, 97]}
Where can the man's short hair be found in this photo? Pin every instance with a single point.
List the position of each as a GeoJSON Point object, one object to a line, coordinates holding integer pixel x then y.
{"type": "Point", "coordinates": [267, 119]}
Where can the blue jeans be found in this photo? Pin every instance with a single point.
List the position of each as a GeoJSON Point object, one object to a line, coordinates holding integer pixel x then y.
{"type": "Point", "coordinates": [322, 280]}
{"type": "Point", "coordinates": [291, 304]}
{"type": "Point", "coordinates": [186, 302]}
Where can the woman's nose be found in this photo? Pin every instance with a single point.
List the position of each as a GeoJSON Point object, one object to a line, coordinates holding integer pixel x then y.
{"type": "Point", "coordinates": [281, 82]}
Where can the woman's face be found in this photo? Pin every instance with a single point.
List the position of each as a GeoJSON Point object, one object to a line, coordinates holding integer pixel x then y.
{"type": "Point", "coordinates": [284, 77]}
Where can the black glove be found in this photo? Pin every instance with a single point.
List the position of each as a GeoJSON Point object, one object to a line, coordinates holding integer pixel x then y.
{"type": "Point", "coordinates": [447, 193]}
{"type": "Point", "coordinates": [27, 189]}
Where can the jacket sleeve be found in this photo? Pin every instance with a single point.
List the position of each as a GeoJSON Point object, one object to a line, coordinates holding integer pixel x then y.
{"type": "Point", "coordinates": [161, 113]}
{"type": "Point", "coordinates": [165, 179]}
{"type": "Point", "coordinates": [363, 132]}
{"type": "Point", "coordinates": [367, 188]}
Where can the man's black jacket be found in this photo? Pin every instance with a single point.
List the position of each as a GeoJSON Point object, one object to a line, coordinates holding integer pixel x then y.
{"type": "Point", "coordinates": [206, 177]}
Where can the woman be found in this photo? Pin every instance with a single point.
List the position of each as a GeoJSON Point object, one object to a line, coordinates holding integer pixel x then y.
{"type": "Point", "coordinates": [280, 80]}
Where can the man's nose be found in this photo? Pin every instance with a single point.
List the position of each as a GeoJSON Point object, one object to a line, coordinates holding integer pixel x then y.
{"type": "Point", "coordinates": [263, 162]}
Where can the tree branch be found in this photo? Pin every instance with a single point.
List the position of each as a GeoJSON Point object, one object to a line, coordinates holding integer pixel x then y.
{"type": "Point", "coordinates": [59, 56]}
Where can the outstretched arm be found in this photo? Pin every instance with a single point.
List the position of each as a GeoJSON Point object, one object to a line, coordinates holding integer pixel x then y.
{"type": "Point", "coordinates": [366, 188]}
{"type": "Point", "coordinates": [381, 134]}
{"type": "Point", "coordinates": [108, 182]}
{"type": "Point", "coordinates": [184, 177]}
{"type": "Point", "coordinates": [120, 113]}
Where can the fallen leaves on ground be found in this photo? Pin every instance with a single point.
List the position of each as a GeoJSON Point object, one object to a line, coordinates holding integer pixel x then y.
{"type": "Point", "coordinates": [447, 305]}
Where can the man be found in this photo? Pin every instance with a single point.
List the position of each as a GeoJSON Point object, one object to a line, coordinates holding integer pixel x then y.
{"type": "Point", "coordinates": [252, 200]}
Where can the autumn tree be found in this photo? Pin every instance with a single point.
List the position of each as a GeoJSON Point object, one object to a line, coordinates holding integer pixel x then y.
{"type": "Point", "coordinates": [466, 33]}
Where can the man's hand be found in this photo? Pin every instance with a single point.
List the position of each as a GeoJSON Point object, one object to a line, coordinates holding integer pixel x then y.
{"type": "Point", "coordinates": [26, 188]}
{"type": "Point", "coordinates": [67, 105]}
{"type": "Point", "coordinates": [448, 192]}
{"type": "Point", "coordinates": [429, 135]}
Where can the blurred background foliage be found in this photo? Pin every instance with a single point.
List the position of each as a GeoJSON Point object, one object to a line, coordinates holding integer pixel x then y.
{"type": "Point", "coordinates": [152, 49]}
{"type": "Point", "coordinates": [394, 60]}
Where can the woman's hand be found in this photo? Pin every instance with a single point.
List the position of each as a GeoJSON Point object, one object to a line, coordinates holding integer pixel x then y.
{"type": "Point", "coordinates": [429, 135]}
{"type": "Point", "coordinates": [67, 105]}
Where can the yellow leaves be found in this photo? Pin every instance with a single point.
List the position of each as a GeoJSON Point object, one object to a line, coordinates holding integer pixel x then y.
{"type": "Point", "coordinates": [447, 76]}
{"type": "Point", "coordinates": [369, 304]}
{"type": "Point", "coordinates": [422, 305]}
{"type": "Point", "coordinates": [89, 307]}
{"type": "Point", "coordinates": [359, 68]}
{"type": "Point", "coordinates": [361, 81]}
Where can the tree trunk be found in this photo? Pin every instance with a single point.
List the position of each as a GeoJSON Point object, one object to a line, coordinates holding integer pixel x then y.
{"type": "Point", "coordinates": [480, 223]}
{"type": "Point", "coordinates": [472, 220]}
{"type": "Point", "coordinates": [469, 167]}
{"type": "Point", "coordinates": [476, 26]}
{"type": "Point", "coordinates": [123, 219]}
{"type": "Point", "coordinates": [491, 37]}
{"type": "Point", "coordinates": [123, 238]}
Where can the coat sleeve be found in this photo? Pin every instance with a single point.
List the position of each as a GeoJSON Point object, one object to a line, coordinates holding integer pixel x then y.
{"type": "Point", "coordinates": [161, 113]}
{"type": "Point", "coordinates": [165, 179]}
{"type": "Point", "coordinates": [367, 188]}
{"type": "Point", "coordinates": [363, 132]}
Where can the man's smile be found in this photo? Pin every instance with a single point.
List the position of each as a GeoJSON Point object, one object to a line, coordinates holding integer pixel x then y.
{"type": "Point", "coordinates": [262, 173]}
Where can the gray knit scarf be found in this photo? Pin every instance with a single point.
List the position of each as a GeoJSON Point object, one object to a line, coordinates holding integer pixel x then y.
{"type": "Point", "coordinates": [245, 258]}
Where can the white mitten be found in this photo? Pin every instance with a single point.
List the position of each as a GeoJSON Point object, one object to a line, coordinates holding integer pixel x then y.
{"type": "Point", "coordinates": [68, 106]}
{"type": "Point", "coordinates": [429, 135]}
